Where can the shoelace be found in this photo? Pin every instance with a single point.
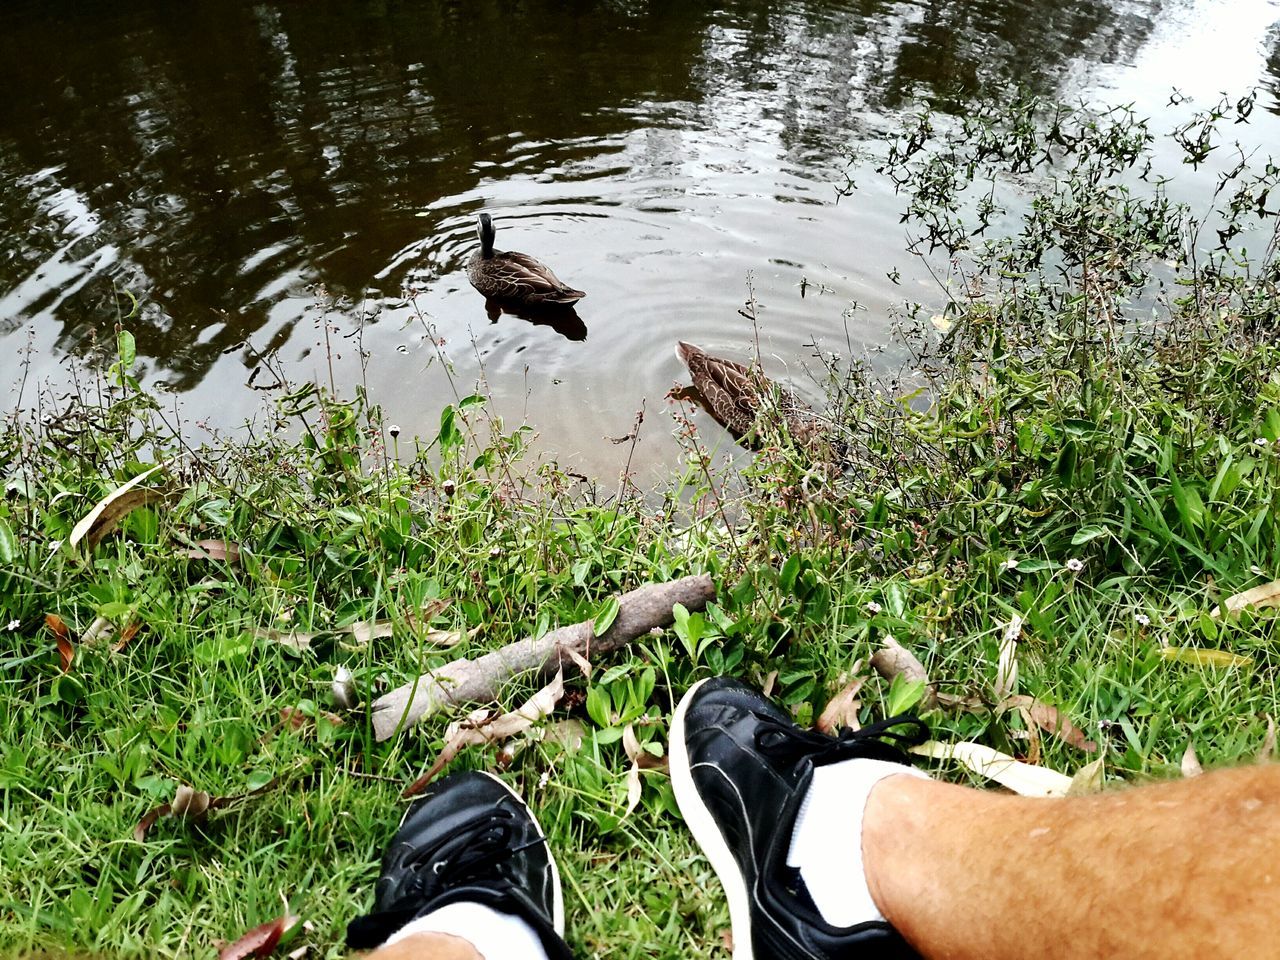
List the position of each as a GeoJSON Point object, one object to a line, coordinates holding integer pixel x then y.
{"type": "Point", "coordinates": [474, 852]}
{"type": "Point", "coordinates": [784, 741]}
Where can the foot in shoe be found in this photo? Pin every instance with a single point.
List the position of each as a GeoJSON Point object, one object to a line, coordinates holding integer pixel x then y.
{"type": "Point", "coordinates": [742, 772]}
{"type": "Point", "coordinates": [469, 860]}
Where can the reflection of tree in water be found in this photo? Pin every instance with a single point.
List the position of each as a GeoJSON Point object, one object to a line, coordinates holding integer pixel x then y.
{"type": "Point", "coordinates": [877, 56]}
{"type": "Point", "coordinates": [232, 151]}
{"type": "Point", "coordinates": [1273, 67]}
{"type": "Point", "coordinates": [227, 146]}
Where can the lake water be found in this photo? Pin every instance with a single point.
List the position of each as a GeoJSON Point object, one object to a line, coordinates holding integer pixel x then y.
{"type": "Point", "coordinates": [251, 171]}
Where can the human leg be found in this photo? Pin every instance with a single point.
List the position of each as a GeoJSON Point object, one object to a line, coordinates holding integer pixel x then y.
{"type": "Point", "coordinates": [929, 869]}
{"type": "Point", "coordinates": [1188, 868]}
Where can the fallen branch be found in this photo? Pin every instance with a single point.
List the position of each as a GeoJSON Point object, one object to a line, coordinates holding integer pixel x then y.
{"type": "Point", "coordinates": [467, 681]}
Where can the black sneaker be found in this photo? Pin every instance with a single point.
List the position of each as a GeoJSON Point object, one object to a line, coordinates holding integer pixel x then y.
{"type": "Point", "coordinates": [468, 839]}
{"type": "Point", "coordinates": [740, 768]}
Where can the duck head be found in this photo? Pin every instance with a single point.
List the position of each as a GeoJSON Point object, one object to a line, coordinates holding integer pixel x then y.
{"type": "Point", "coordinates": [484, 230]}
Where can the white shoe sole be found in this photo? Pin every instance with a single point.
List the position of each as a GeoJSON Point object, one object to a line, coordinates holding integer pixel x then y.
{"type": "Point", "coordinates": [703, 827]}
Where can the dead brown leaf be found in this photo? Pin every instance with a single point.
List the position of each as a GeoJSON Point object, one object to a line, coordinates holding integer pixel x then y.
{"type": "Point", "coordinates": [101, 627]}
{"type": "Point", "coordinates": [261, 941]}
{"type": "Point", "coordinates": [343, 688]}
{"type": "Point", "coordinates": [641, 759]}
{"type": "Point", "coordinates": [365, 631]}
{"type": "Point", "coordinates": [1266, 595]}
{"type": "Point", "coordinates": [1051, 720]}
{"type": "Point", "coordinates": [569, 733]}
{"type": "Point", "coordinates": [969, 704]}
{"type": "Point", "coordinates": [127, 634]}
{"type": "Point", "coordinates": [1032, 734]}
{"type": "Point", "coordinates": [581, 662]}
{"type": "Point", "coordinates": [1190, 762]}
{"type": "Point", "coordinates": [842, 709]}
{"type": "Point", "coordinates": [769, 681]}
{"type": "Point", "coordinates": [483, 726]}
{"type": "Point", "coordinates": [292, 718]}
{"type": "Point", "coordinates": [1022, 778]}
{"type": "Point", "coordinates": [111, 509]}
{"type": "Point", "coordinates": [1267, 751]}
{"type": "Point", "coordinates": [1006, 684]}
{"type": "Point", "coordinates": [893, 659]}
{"type": "Point", "coordinates": [1088, 779]}
{"type": "Point", "coordinates": [223, 550]}
{"type": "Point", "coordinates": [191, 804]}
{"type": "Point", "coordinates": [62, 636]}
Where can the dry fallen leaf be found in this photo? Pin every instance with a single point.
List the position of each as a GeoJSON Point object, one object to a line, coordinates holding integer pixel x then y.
{"type": "Point", "coordinates": [1088, 779]}
{"type": "Point", "coordinates": [641, 759]}
{"type": "Point", "coordinates": [1268, 749]}
{"type": "Point", "coordinates": [1021, 778]}
{"type": "Point", "coordinates": [223, 550]}
{"type": "Point", "coordinates": [969, 704]}
{"type": "Point", "coordinates": [1006, 684]}
{"type": "Point", "coordinates": [260, 941]}
{"type": "Point", "coordinates": [296, 720]}
{"type": "Point", "coordinates": [1190, 762]}
{"type": "Point", "coordinates": [842, 709]}
{"type": "Point", "coordinates": [1266, 595]}
{"type": "Point", "coordinates": [769, 681]}
{"type": "Point", "coordinates": [101, 627]}
{"type": "Point", "coordinates": [127, 634]}
{"type": "Point", "coordinates": [62, 636]}
{"type": "Point", "coordinates": [1032, 735]}
{"type": "Point", "coordinates": [893, 659]}
{"type": "Point", "coordinates": [343, 689]}
{"type": "Point", "coordinates": [581, 662]}
{"type": "Point", "coordinates": [1204, 658]}
{"type": "Point", "coordinates": [481, 727]}
{"type": "Point", "coordinates": [569, 733]}
{"type": "Point", "coordinates": [362, 632]}
{"type": "Point", "coordinates": [111, 509]}
{"type": "Point", "coordinates": [191, 804]}
{"type": "Point", "coordinates": [1051, 721]}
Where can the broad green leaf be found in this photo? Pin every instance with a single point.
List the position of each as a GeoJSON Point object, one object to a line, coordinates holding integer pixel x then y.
{"type": "Point", "coordinates": [8, 544]}
{"type": "Point", "coordinates": [605, 616]}
{"type": "Point", "coordinates": [127, 347]}
{"type": "Point", "coordinates": [1085, 534]}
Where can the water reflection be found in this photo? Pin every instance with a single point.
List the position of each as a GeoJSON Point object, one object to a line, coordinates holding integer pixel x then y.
{"type": "Point", "coordinates": [225, 161]}
{"type": "Point", "coordinates": [560, 317]}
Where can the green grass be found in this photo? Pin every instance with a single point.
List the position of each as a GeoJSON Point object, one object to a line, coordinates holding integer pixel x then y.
{"type": "Point", "coordinates": [1053, 422]}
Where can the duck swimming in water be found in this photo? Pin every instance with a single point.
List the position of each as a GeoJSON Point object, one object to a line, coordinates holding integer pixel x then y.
{"type": "Point", "coordinates": [736, 395]}
{"type": "Point", "coordinates": [514, 277]}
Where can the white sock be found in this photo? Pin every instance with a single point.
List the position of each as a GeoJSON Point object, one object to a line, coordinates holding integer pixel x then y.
{"type": "Point", "coordinates": [495, 935]}
{"type": "Point", "coordinates": [826, 841]}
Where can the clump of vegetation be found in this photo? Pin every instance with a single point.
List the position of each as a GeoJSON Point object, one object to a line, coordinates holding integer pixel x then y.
{"type": "Point", "coordinates": [1076, 469]}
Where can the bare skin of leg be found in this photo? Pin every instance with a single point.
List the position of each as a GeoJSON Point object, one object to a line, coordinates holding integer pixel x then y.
{"type": "Point", "coordinates": [427, 946]}
{"type": "Point", "coordinates": [1189, 868]}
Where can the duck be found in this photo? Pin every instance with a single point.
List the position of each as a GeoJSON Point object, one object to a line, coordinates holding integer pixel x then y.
{"type": "Point", "coordinates": [735, 395]}
{"type": "Point", "coordinates": [514, 277]}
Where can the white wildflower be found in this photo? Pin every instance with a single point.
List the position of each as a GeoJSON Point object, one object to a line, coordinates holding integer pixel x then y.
{"type": "Point", "coordinates": [1260, 442]}
{"type": "Point", "coordinates": [13, 625]}
{"type": "Point", "coordinates": [1075, 565]}
{"type": "Point", "coordinates": [1142, 619]}
{"type": "Point", "coordinates": [394, 430]}
{"type": "Point", "coordinates": [873, 608]}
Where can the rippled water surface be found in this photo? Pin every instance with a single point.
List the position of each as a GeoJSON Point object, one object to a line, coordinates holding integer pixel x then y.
{"type": "Point", "coordinates": [248, 170]}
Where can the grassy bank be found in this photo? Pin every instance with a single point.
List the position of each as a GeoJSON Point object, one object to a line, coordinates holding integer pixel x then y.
{"type": "Point", "coordinates": [1086, 440]}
